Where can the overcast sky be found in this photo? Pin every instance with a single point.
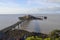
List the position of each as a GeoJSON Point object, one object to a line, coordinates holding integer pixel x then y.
{"type": "Point", "coordinates": [29, 6]}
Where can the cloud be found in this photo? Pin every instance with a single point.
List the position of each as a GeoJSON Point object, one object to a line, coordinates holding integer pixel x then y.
{"type": "Point", "coordinates": [9, 7]}
{"type": "Point", "coordinates": [47, 0]}
{"type": "Point", "coordinates": [55, 1]}
{"type": "Point", "coordinates": [41, 3]}
{"type": "Point", "coordinates": [32, 6]}
{"type": "Point", "coordinates": [6, 10]}
{"type": "Point", "coordinates": [45, 6]}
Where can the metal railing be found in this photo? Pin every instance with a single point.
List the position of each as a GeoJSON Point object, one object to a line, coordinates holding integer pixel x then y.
{"type": "Point", "coordinates": [12, 26]}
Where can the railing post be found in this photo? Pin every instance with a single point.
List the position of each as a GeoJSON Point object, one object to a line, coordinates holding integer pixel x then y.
{"type": "Point", "coordinates": [18, 26]}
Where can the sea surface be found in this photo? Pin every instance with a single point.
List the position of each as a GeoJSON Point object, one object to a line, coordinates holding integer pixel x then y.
{"type": "Point", "coordinates": [44, 26]}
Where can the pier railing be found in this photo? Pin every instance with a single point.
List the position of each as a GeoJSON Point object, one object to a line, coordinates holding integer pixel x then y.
{"type": "Point", "coordinates": [12, 26]}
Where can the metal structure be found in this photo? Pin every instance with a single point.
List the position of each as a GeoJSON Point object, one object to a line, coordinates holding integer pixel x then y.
{"type": "Point", "coordinates": [22, 20]}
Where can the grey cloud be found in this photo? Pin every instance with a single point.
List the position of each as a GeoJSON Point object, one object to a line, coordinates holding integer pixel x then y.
{"type": "Point", "coordinates": [54, 0]}
{"type": "Point", "coordinates": [49, 10]}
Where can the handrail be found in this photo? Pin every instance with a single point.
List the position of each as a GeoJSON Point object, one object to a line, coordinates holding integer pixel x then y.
{"type": "Point", "coordinates": [12, 26]}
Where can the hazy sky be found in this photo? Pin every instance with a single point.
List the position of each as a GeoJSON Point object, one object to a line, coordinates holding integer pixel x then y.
{"type": "Point", "coordinates": [29, 6]}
